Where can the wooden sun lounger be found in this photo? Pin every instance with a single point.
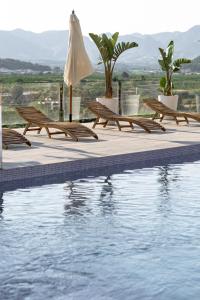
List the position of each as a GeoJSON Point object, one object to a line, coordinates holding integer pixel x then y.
{"type": "Point", "coordinates": [101, 111]}
{"type": "Point", "coordinates": [37, 121]}
{"type": "Point", "coordinates": [161, 110]}
{"type": "Point", "coordinates": [10, 136]}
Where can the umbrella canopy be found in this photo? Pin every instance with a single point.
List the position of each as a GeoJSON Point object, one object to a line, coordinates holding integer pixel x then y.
{"type": "Point", "coordinates": [78, 64]}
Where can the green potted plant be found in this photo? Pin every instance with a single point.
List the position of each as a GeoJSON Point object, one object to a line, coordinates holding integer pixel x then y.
{"type": "Point", "coordinates": [110, 50]}
{"type": "Point", "coordinates": [169, 66]}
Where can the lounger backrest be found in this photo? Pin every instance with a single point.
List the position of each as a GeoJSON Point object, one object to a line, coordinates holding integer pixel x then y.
{"type": "Point", "coordinates": [10, 136]}
{"type": "Point", "coordinates": [32, 115]}
{"type": "Point", "coordinates": [101, 110]}
{"type": "Point", "coordinates": [158, 106]}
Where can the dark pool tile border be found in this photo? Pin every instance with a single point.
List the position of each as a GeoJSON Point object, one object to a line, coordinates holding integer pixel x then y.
{"type": "Point", "coordinates": [58, 172]}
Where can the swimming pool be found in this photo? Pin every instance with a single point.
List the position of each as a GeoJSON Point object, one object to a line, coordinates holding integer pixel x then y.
{"type": "Point", "coordinates": [132, 235]}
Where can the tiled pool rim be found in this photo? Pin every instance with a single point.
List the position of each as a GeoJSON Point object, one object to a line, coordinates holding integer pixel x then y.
{"type": "Point", "coordinates": [57, 172]}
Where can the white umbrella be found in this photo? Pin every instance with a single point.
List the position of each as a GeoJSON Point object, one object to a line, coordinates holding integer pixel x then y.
{"type": "Point", "coordinates": [78, 64]}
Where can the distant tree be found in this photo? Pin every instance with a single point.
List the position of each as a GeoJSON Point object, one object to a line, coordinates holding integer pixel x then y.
{"type": "Point", "coordinates": [17, 94]}
{"type": "Point", "coordinates": [19, 80]}
{"type": "Point", "coordinates": [116, 78]}
{"type": "Point", "coordinates": [57, 70]}
{"type": "Point", "coordinates": [125, 75]}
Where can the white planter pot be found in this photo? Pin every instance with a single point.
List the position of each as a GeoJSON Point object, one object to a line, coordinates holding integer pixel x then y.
{"type": "Point", "coordinates": [112, 104]}
{"type": "Point", "coordinates": [197, 98]}
{"type": "Point", "coordinates": [76, 103]}
{"type": "Point", "coordinates": [170, 101]}
{"type": "Point", "coordinates": [130, 105]}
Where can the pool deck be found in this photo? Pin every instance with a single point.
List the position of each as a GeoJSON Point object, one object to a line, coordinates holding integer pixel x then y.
{"type": "Point", "coordinates": [58, 155]}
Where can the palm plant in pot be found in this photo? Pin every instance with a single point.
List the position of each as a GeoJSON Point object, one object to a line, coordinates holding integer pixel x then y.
{"type": "Point", "coordinates": [169, 66]}
{"type": "Point", "coordinates": [110, 50]}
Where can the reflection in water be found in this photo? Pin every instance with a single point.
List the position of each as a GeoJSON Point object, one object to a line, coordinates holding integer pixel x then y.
{"type": "Point", "coordinates": [166, 176]}
{"type": "Point", "coordinates": [106, 201]}
{"type": "Point", "coordinates": [80, 194]}
{"type": "Point", "coordinates": [164, 180]}
{"type": "Point", "coordinates": [1, 203]}
{"type": "Point", "coordinates": [76, 199]}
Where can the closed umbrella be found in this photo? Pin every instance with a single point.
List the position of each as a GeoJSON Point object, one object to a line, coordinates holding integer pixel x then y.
{"type": "Point", "coordinates": [78, 64]}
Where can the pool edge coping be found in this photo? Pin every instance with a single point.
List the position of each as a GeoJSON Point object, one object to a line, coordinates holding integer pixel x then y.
{"type": "Point", "coordinates": [75, 169]}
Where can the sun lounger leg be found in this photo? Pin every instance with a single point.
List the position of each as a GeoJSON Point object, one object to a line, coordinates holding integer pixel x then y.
{"type": "Point", "coordinates": [95, 122]}
{"type": "Point", "coordinates": [175, 118]}
{"type": "Point", "coordinates": [26, 128]}
{"type": "Point", "coordinates": [186, 120]}
{"type": "Point", "coordinates": [73, 136]}
{"type": "Point", "coordinates": [161, 118]}
{"type": "Point", "coordinates": [131, 125]}
{"type": "Point", "coordinates": [39, 130]}
{"type": "Point", "coordinates": [105, 124]}
{"type": "Point", "coordinates": [155, 116]}
{"type": "Point", "coordinates": [48, 132]}
{"type": "Point", "coordinates": [118, 125]}
{"type": "Point", "coordinates": [163, 128]}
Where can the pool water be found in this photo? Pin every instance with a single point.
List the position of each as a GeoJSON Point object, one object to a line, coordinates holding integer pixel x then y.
{"type": "Point", "coordinates": [134, 235]}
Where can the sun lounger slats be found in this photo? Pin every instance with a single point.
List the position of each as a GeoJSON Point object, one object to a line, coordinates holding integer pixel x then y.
{"type": "Point", "coordinates": [10, 136]}
{"type": "Point", "coordinates": [37, 121]}
{"type": "Point", "coordinates": [193, 115]}
{"type": "Point", "coordinates": [103, 112]}
{"type": "Point", "coordinates": [161, 110]}
{"type": "Point", "coordinates": [31, 114]}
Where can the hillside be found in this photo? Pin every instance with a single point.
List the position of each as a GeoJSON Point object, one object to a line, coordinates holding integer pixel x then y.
{"type": "Point", "coordinates": [14, 65]}
{"type": "Point", "coordinates": [50, 47]}
{"type": "Point", "coordinates": [194, 66]}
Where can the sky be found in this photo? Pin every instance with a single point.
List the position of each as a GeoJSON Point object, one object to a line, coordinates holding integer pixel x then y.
{"type": "Point", "coordinates": [125, 16]}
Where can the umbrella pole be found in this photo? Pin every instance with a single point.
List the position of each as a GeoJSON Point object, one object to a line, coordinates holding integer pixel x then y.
{"type": "Point", "coordinates": [61, 112]}
{"type": "Point", "coordinates": [70, 103]}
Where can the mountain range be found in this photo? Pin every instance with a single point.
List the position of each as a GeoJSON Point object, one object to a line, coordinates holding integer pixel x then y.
{"type": "Point", "coordinates": [50, 47]}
